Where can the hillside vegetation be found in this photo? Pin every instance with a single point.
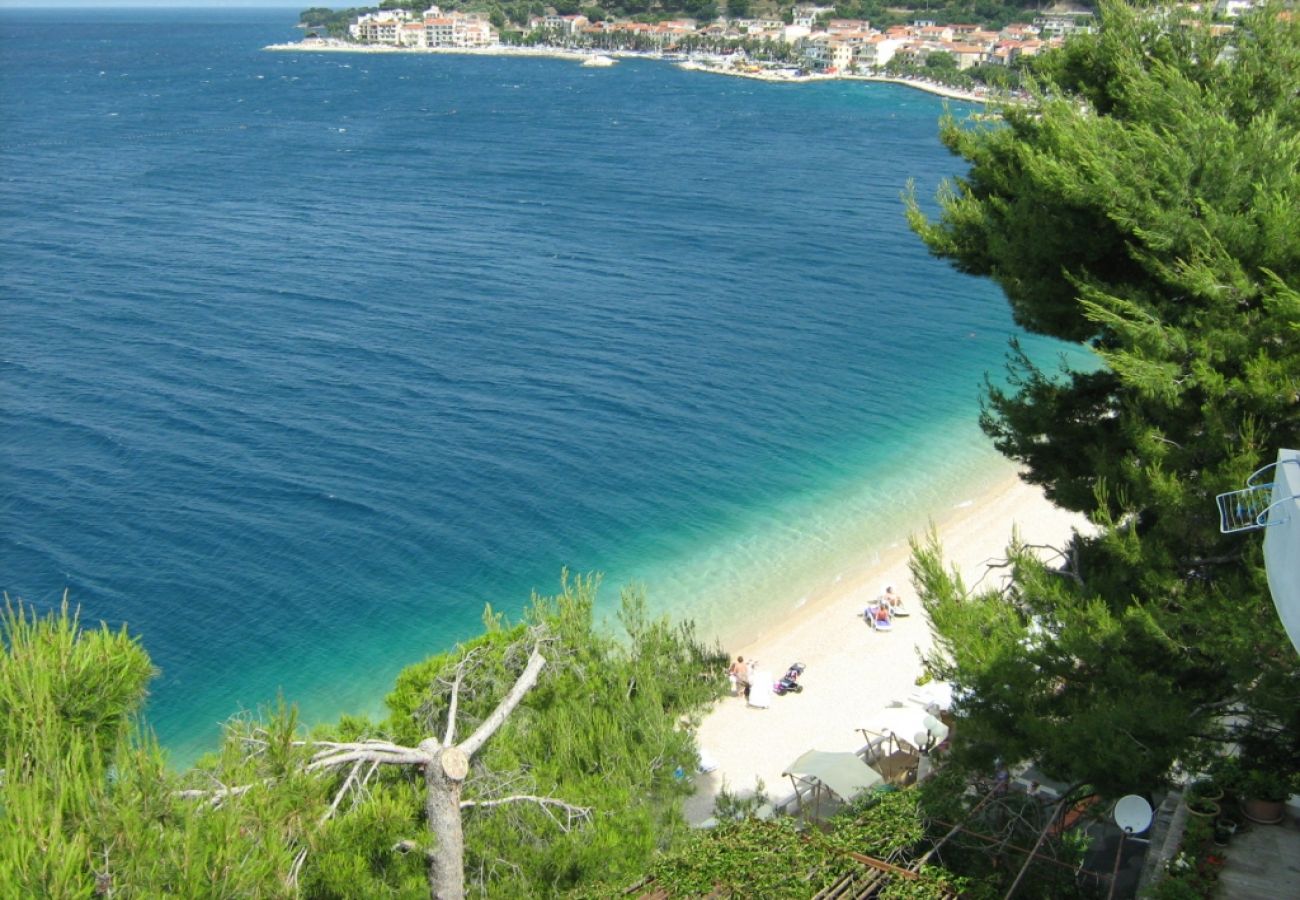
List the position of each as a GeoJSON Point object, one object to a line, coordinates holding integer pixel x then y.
{"type": "Point", "coordinates": [515, 15]}
{"type": "Point", "coordinates": [88, 805]}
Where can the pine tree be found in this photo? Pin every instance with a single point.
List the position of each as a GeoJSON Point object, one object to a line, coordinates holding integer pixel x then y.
{"type": "Point", "coordinates": [1145, 206]}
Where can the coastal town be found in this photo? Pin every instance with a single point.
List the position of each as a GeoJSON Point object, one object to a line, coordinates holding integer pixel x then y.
{"type": "Point", "coordinates": [821, 43]}
{"type": "Point", "coordinates": [967, 61]}
{"type": "Point", "coordinates": [812, 42]}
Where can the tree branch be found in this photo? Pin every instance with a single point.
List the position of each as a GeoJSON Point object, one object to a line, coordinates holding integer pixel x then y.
{"type": "Point", "coordinates": [455, 697]}
{"type": "Point", "coordinates": [989, 566]}
{"type": "Point", "coordinates": [522, 686]}
{"type": "Point", "coordinates": [216, 795]}
{"type": "Point", "coordinates": [336, 754]}
{"type": "Point", "coordinates": [374, 764]}
{"type": "Point", "coordinates": [573, 813]}
{"type": "Point", "coordinates": [296, 869]}
{"type": "Point", "coordinates": [338, 797]}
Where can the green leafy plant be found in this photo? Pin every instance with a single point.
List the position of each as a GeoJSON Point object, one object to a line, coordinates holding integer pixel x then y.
{"type": "Point", "coordinates": [735, 805]}
{"type": "Point", "coordinates": [88, 805]}
{"type": "Point", "coordinates": [779, 858]}
{"type": "Point", "coordinates": [1265, 784]}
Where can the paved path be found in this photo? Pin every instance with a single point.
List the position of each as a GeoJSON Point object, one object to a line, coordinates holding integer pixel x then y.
{"type": "Point", "coordinates": [1263, 863]}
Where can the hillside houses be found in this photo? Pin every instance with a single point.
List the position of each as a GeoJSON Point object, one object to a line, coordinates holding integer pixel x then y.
{"type": "Point", "coordinates": [815, 40]}
{"type": "Point", "coordinates": [1061, 23]}
{"type": "Point", "coordinates": [433, 29]}
{"type": "Point", "coordinates": [845, 47]}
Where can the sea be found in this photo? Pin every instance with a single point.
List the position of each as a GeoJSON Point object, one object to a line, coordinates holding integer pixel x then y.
{"type": "Point", "coordinates": [306, 358]}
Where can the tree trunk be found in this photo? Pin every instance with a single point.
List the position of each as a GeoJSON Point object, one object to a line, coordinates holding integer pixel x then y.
{"type": "Point", "coordinates": [443, 778]}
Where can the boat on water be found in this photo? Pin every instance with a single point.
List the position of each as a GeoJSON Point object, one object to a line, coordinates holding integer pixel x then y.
{"type": "Point", "coordinates": [599, 61]}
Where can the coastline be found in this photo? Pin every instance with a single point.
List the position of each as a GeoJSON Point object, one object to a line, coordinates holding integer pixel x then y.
{"type": "Point", "coordinates": [781, 76]}
{"type": "Point", "coordinates": [853, 672]}
{"type": "Point", "coordinates": [497, 50]}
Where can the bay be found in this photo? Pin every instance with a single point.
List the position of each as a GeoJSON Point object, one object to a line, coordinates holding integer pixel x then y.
{"type": "Point", "coordinates": [307, 357]}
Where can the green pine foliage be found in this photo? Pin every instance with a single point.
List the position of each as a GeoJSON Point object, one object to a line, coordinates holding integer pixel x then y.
{"type": "Point", "coordinates": [781, 858]}
{"type": "Point", "coordinates": [1145, 206]}
{"type": "Point", "coordinates": [89, 806]}
{"type": "Point", "coordinates": [67, 697]}
{"type": "Point", "coordinates": [603, 729]}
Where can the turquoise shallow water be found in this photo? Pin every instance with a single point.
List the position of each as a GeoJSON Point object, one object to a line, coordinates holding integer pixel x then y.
{"type": "Point", "coordinates": [307, 357]}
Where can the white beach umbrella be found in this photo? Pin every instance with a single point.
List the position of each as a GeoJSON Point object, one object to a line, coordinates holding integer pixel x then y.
{"type": "Point", "coordinates": [844, 774]}
{"type": "Point", "coordinates": [932, 696]}
{"type": "Point", "coordinates": [909, 723]}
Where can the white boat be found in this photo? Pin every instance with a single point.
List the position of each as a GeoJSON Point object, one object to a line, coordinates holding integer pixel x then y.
{"type": "Point", "coordinates": [599, 61]}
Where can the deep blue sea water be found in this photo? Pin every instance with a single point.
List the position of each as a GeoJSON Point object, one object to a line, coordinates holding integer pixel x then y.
{"type": "Point", "coordinates": [306, 357]}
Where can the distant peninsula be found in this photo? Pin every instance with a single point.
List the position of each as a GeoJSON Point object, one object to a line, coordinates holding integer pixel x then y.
{"type": "Point", "coordinates": [930, 50]}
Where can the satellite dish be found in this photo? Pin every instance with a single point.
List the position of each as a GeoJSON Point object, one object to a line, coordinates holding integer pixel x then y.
{"type": "Point", "coordinates": [1132, 814]}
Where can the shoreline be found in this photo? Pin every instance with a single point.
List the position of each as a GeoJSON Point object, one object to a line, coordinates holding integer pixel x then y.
{"type": "Point", "coordinates": [779, 76]}
{"type": "Point", "coordinates": [497, 50]}
{"type": "Point", "coordinates": [854, 672]}
{"type": "Point", "coordinates": [771, 75]}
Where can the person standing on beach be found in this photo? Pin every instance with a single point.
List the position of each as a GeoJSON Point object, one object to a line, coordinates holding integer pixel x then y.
{"type": "Point", "coordinates": [738, 675]}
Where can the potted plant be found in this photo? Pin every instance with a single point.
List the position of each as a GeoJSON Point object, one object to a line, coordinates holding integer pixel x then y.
{"type": "Point", "coordinates": [1226, 775]}
{"type": "Point", "coordinates": [1224, 829]}
{"type": "Point", "coordinates": [1264, 795]}
{"type": "Point", "coordinates": [1226, 825]}
{"type": "Point", "coordinates": [1205, 789]}
{"type": "Point", "coordinates": [1199, 806]}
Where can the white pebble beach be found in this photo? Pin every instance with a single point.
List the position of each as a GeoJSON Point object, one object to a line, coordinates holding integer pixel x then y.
{"type": "Point", "coordinates": [852, 671]}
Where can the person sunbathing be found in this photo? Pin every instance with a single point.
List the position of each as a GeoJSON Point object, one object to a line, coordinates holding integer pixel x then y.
{"type": "Point", "coordinates": [883, 617]}
{"type": "Point", "coordinates": [893, 601]}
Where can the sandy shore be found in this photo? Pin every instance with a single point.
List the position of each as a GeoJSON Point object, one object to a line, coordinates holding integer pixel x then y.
{"type": "Point", "coordinates": [854, 672]}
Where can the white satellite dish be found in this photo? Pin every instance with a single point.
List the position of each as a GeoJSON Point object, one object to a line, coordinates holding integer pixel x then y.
{"type": "Point", "coordinates": [1132, 814]}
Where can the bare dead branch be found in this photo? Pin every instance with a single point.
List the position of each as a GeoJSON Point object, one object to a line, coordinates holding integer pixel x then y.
{"type": "Point", "coordinates": [1057, 552]}
{"type": "Point", "coordinates": [499, 863]}
{"type": "Point", "coordinates": [572, 813]}
{"type": "Point", "coordinates": [334, 745]}
{"type": "Point", "coordinates": [296, 869]}
{"type": "Point", "coordinates": [1133, 738]}
{"type": "Point", "coordinates": [383, 752]}
{"type": "Point", "coordinates": [338, 797]}
{"type": "Point", "coordinates": [522, 686]}
{"type": "Point", "coordinates": [374, 766]}
{"type": "Point", "coordinates": [490, 785]}
{"type": "Point", "coordinates": [990, 565]}
{"type": "Point", "coordinates": [455, 696]}
{"type": "Point", "coordinates": [217, 795]}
